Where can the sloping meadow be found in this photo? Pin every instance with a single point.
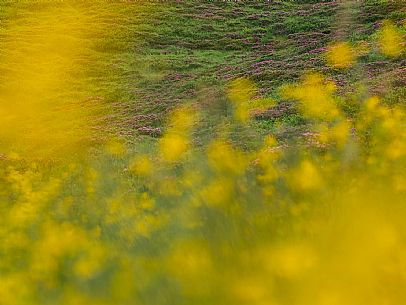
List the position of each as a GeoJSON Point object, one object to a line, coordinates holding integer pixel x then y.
{"type": "Point", "coordinates": [319, 221]}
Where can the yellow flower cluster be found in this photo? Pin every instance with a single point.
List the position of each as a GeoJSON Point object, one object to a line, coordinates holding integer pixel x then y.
{"type": "Point", "coordinates": [275, 225]}
{"type": "Point", "coordinates": [340, 55]}
{"type": "Point", "coordinates": [175, 143]}
{"type": "Point", "coordinates": [391, 41]}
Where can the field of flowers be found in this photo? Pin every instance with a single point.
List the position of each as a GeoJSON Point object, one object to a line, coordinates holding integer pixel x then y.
{"type": "Point", "coordinates": [109, 198]}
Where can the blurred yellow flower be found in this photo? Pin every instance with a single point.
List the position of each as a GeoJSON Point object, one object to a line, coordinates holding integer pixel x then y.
{"type": "Point", "coordinates": [391, 42]}
{"type": "Point", "coordinates": [306, 176]}
{"type": "Point", "coordinates": [315, 94]}
{"type": "Point", "coordinates": [340, 55]}
{"type": "Point", "coordinates": [173, 147]}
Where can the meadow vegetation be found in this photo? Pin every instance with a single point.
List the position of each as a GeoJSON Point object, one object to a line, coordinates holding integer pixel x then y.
{"type": "Point", "coordinates": [202, 152]}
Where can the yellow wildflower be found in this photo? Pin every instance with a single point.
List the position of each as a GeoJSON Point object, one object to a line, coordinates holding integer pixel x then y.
{"type": "Point", "coordinates": [306, 177]}
{"type": "Point", "coordinates": [316, 96]}
{"type": "Point", "coordinates": [390, 40]}
{"type": "Point", "coordinates": [173, 146]}
{"type": "Point", "coordinates": [340, 55]}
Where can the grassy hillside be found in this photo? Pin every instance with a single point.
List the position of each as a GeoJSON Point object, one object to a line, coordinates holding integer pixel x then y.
{"type": "Point", "coordinates": [137, 61]}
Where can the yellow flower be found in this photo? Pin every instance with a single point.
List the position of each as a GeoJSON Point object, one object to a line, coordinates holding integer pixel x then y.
{"type": "Point", "coordinates": [390, 40]}
{"type": "Point", "coordinates": [340, 55]}
{"type": "Point", "coordinates": [306, 177]}
{"type": "Point", "coordinates": [315, 95]}
{"type": "Point", "coordinates": [173, 147]}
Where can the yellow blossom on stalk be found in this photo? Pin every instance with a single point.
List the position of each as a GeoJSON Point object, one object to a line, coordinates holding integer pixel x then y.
{"type": "Point", "coordinates": [306, 176]}
{"type": "Point", "coordinates": [36, 117]}
{"type": "Point", "coordinates": [270, 141]}
{"type": "Point", "coordinates": [57, 241]}
{"type": "Point", "coordinates": [396, 149]}
{"type": "Point", "coordinates": [241, 92]}
{"type": "Point", "coordinates": [323, 133]}
{"type": "Point", "coordinates": [390, 40]}
{"type": "Point", "coordinates": [15, 289]}
{"type": "Point", "coordinates": [265, 159]}
{"type": "Point", "coordinates": [245, 109]}
{"type": "Point", "coordinates": [173, 147]}
{"type": "Point", "coordinates": [175, 143]}
{"type": "Point", "coordinates": [147, 224]}
{"type": "Point", "coordinates": [338, 133]}
{"type": "Point", "coordinates": [372, 103]}
{"type": "Point", "coordinates": [315, 95]}
{"type": "Point", "coordinates": [340, 55]}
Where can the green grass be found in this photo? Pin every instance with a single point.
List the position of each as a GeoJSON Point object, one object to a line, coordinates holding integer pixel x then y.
{"type": "Point", "coordinates": [145, 58]}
